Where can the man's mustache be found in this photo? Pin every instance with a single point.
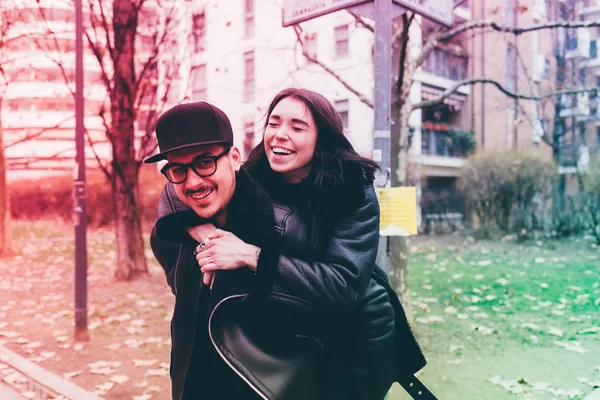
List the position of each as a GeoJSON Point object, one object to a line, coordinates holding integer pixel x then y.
{"type": "Point", "coordinates": [190, 192]}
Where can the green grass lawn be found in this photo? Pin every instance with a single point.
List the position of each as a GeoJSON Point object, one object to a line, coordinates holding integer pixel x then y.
{"type": "Point", "coordinates": [502, 320]}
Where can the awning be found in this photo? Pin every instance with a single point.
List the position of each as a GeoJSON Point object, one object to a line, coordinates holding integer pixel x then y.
{"type": "Point", "coordinates": [454, 101]}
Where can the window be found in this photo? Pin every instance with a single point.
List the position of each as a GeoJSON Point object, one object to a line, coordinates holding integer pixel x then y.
{"type": "Point", "coordinates": [341, 41]}
{"type": "Point", "coordinates": [594, 49]}
{"type": "Point", "coordinates": [198, 32]}
{"type": "Point", "coordinates": [342, 107]}
{"type": "Point", "coordinates": [510, 73]}
{"type": "Point", "coordinates": [582, 77]}
{"type": "Point", "coordinates": [310, 45]}
{"type": "Point", "coordinates": [571, 39]}
{"type": "Point", "coordinates": [198, 83]}
{"type": "Point", "coordinates": [249, 76]}
{"type": "Point", "coordinates": [248, 18]}
{"type": "Point", "coordinates": [248, 138]}
{"type": "Point", "coordinates": [546, 72]}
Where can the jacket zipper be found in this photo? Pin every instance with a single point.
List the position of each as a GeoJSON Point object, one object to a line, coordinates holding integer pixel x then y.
{"type": "Point", "coordinates": [262, 395]}
{"type": "Point", "coordinates": [175, 274]}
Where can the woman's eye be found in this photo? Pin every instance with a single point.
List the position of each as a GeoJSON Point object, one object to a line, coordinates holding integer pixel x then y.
{"type": "Point", "coordinates": [272, 124]}
{"type": "Point", "coordinates": [298, 129]}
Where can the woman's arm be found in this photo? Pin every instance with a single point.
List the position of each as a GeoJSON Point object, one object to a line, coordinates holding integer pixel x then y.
{"type": "Point", "coordinates": [332, 285]}
{"type": "Point", "coordinates": [337, 280]}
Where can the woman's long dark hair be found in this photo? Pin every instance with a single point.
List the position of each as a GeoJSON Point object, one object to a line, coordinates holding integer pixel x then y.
{"type": "Point", "coordinates": [333, 151]}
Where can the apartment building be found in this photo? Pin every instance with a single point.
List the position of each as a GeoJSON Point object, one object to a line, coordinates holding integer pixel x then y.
{"type": "Point", "coordinates": [38, 114]}
{"type": "Point", "coordinates": [535, 63]}
{"type": "Point", "coordinates": [243, 58]}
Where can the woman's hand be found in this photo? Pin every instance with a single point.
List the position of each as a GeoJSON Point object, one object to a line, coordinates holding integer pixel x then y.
{"type": "Point", "coordinates": [225, 251]}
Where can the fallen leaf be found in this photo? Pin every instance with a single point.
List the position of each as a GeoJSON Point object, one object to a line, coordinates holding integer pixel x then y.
{"type": "Point", "coordinates": [484, 263]}
{"type": "Point", "coordinates": [102, 371]}
{"type": "Point", "coordinates": [450, 310]}
{"type": "Point", "coordinates": [103, 388]}
{"type": "Point", "coordinates": [483, 329]}
{"type": "Point", "coordinates": [144, 363]}
{"type": "Point", "coordinates": [119, 378]}
{"type": "Point", "coordinates": [555, 331]}
{"type": "Point", "coordinates": [589, 382]}
{"type": "Point", "coordinates": [69, 375]}
{"type": "Point", "coordinates": [572, 346]}
{"type": "Point", "coordinates": [157, 372]}
{"type": "Point", "coordinates": [593, 329]}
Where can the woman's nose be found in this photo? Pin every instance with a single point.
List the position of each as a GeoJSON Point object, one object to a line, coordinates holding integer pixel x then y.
{"type": "Point", "coordinates": [282, 133]}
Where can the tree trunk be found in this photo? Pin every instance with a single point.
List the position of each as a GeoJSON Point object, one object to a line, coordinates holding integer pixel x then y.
{"type": "Point", "coordinates": [5, 226]}
{"type": "Point", "coordinates": [131, 260]}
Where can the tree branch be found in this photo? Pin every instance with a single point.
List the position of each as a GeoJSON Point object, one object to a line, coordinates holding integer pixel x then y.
{"type": "Point", "coordinates": [360, 96]}
{"type": "Point", "coordinates": [362, 22]}
{"type": "Point", "coordinates": [36, 134]}
{"type": "Point", "coordinates": [452, 89]}
{"type": "Point", "coordinates": [480, 24]}
{"type": "Point", "coordinates": [96, 156]}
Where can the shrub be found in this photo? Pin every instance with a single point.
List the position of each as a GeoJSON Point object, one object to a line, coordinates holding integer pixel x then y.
{"type": "Point", "coordinates": [590, 190]}
{"type": "Point", "coordinates": [52, 197]}
{"type": "Point", "coordinates": [505, 190]}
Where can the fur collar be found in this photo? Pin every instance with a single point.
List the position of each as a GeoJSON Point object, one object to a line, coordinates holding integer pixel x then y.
{"type": "Point", "coordinates": [334, 200]}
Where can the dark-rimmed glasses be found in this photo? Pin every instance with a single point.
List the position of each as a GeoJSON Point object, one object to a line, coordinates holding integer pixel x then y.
{"type": "Point", "coordinates": [203, 166]}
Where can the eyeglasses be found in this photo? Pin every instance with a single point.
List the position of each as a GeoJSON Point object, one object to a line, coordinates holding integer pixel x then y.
{"type": "Point", "coordinates": [203, 166]}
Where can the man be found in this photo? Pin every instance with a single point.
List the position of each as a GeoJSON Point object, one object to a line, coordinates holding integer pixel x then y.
{"type": "Point", "coordinates": [213, 355]}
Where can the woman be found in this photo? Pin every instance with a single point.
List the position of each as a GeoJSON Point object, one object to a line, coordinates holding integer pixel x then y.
{"type": "Point", "coordinates": [327, 212]}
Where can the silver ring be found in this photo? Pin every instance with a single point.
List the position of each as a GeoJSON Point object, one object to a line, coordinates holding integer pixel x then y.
{"type": "Point", "coordinates": [203, 245]}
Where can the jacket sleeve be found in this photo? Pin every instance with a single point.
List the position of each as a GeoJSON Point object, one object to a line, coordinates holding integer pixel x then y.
{"type": "Point", "coordinates": [163, 240]}
{"type": "Point", "coordinates": [335, 283]}
{"type": "Point", "coordinates": [167, 254]}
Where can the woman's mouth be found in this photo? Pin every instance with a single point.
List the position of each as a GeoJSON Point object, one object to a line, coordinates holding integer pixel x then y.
{"type": "Point", "coordinates": [280, 151]}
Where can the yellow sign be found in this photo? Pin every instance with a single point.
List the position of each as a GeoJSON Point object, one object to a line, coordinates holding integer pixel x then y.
{"type": "Point", "coordinates": [398, 211]}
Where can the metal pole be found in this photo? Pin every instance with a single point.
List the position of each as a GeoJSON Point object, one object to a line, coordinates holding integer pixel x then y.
{"type": "Point", "coordinates": [382, 97]}
{"type": "Point", "coordinates": [483, 76]}
{"type": "Point", "coordinates": [81, 327]}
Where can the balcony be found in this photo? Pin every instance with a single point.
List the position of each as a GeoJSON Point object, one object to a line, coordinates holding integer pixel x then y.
{"type": "Point", "coordinates": [590, 7]}
{"type": "Point", "coordinates": [440, 143]}
{"type": "Point", "coordinates": [447, 65]}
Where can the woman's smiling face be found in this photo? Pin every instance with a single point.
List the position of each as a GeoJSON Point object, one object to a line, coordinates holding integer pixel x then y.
{"type": "Point", "coordinates": [290, 139]}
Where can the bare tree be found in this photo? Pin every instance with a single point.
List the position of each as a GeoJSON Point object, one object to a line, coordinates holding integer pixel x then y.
{"type": "Point", "coordinates": [6, 26]}
{"type": "Point", "coordinates": [130, 40]}
{"type": "Point", "coordinates": [405, 68]}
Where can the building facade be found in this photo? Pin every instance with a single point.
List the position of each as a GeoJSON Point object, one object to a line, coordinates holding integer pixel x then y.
{"type": "Point", "coordinates": [38, 62]}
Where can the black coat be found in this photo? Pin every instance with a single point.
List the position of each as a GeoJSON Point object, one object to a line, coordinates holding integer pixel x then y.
{"type": "Point", "coordinates": [379, 353]}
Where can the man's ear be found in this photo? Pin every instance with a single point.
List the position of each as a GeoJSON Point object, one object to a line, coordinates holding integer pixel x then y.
{"type": "Point", "coordinates": [236, 158]}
